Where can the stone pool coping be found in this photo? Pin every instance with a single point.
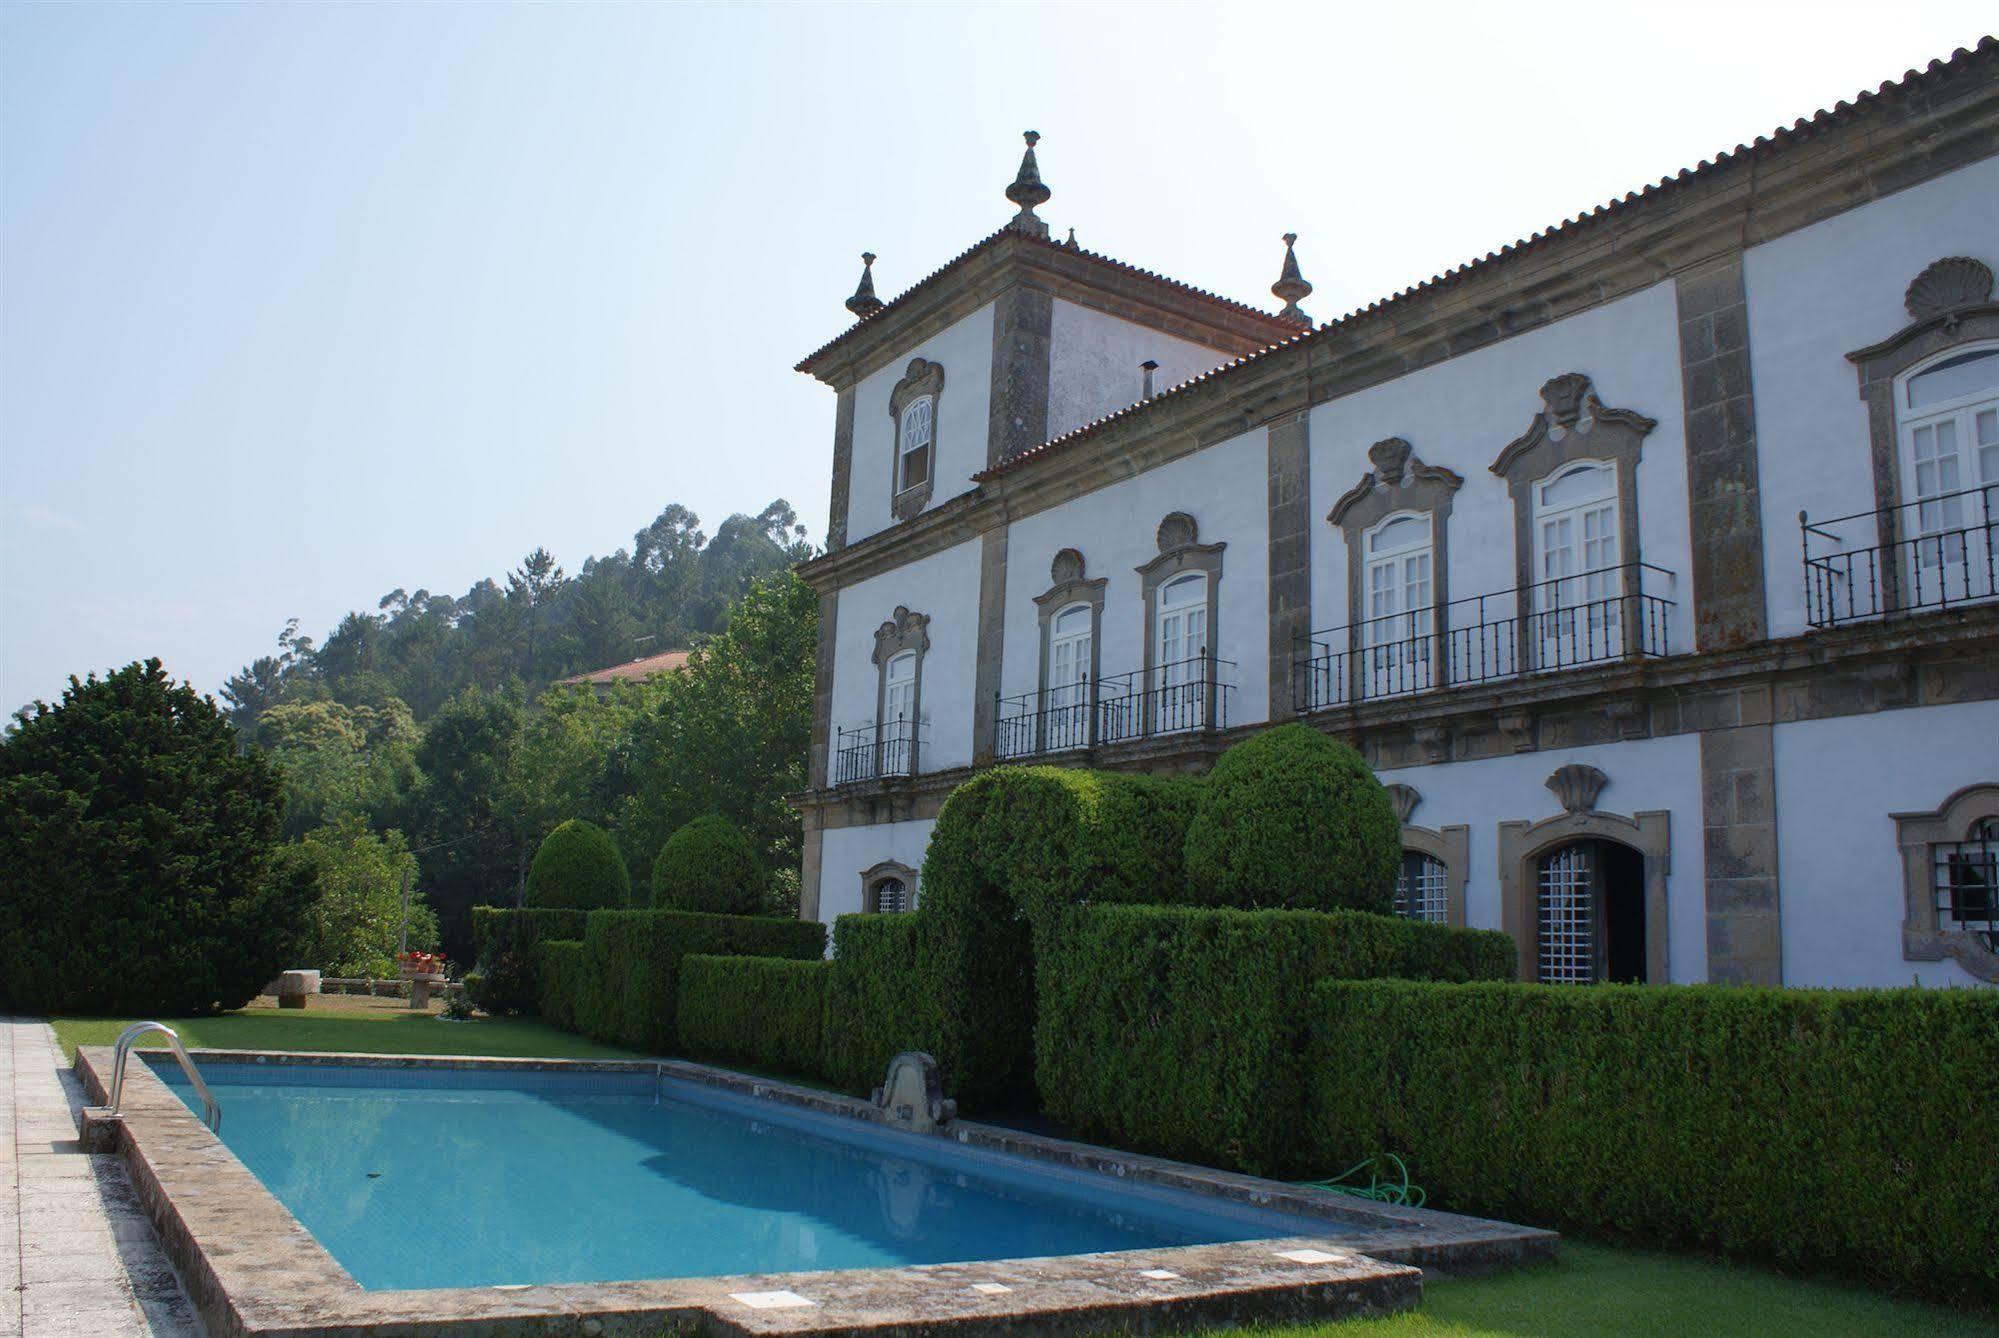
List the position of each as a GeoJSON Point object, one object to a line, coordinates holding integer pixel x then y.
{"type": "Point", "coordinates": [252, 1269]}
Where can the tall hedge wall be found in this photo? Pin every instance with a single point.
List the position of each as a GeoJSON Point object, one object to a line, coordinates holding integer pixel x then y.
{"type": "Point", "coordinates": [1183, 1030]}
{"type": "Point", "coordinates": [767, 1011]}
{"type": "Point", "coordinates": [564, 978]}
{"type": "Point", "coordinates": [1852, 1130]}
{"type": "Point", "coordinates": [880, 998]}
{"type": "Point", "coordinates": [633, 966]}
{"type": "Point", "coordinates": [1013, 844]}
{"type": "Point", "coordinates": [504, 941]}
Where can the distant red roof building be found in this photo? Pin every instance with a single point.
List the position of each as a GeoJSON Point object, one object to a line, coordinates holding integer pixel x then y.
{"type": "Point", "coordinates": [667, 662]}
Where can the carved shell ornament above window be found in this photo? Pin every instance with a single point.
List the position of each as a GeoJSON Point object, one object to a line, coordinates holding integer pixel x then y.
{"type": "Point", "coordinates": [1177, 530]}
{"type": "Point", "coordinates": [1405, 798]}
{"type": "Point", "coordinates": [1067, 566]}
{"type": "Point", "coordinates": [1948, 285]}
{"type": "Point", "coordinates": [1577, 786]}
{"type": "Point", "coordinates": [1564, 395]}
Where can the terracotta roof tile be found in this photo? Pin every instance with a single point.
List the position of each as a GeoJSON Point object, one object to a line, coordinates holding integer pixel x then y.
{"type": "Point", "coordinates": [666, 662]}
{"type": "Point", "coordinates": [1764, 145]}
{"type": "Point", "coordinates": [993, 239]}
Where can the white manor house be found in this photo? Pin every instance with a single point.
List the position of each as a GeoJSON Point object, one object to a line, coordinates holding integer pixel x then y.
{"type": "Point", "coordinates": [1650, 561]}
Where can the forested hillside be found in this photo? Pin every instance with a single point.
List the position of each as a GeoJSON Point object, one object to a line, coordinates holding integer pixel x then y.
{"type": "Point", "coordinates": [429, 728]}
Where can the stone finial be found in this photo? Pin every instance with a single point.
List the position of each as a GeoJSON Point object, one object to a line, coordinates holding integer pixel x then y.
{"type": "Point", "coordinates": [1071, 243]}
{"type": "Point", "coordinates": [1577, 786]}
{"type": "Point", "coordinates": [1145, 371]}
{"type": "Point", "coordinates": [864, 303]}
{"type": "Point", "coordinates": [1291, 286]}
{"type": "Point", "coordinates": [1027, 191]}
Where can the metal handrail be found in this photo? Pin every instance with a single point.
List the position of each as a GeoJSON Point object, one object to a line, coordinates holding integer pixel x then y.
{"type": "Point", "coordinates": [211, 1110]}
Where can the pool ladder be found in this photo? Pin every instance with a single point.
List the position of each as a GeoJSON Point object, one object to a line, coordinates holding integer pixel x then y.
{"type": "Point", "coordinates": [211, 1112]}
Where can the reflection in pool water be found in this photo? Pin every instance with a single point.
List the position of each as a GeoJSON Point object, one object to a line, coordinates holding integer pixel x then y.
{"type": "Point", "coordinates": [414, 1177]}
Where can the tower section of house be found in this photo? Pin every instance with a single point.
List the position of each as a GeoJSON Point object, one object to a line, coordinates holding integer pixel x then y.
{"type": "Point", "coordinates": [1650, 562]}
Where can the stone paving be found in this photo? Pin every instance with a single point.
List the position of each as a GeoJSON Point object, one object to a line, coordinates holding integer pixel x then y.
{"type": "Point", "coordinates": [77, 1255]}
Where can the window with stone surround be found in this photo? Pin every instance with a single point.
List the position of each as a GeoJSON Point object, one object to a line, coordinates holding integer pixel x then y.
{"type": "Point", "coordinates": [888, 888]}
{"type": "Point", "coordinates": [913, 409]}
{"type": "Point", "coordinates": [1950, 870]}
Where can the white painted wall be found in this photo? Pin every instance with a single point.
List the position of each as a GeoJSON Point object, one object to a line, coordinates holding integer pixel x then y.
{"type": "Point", "coordinates": [965, 351]}
{"type": "Point", "coordinates": [1838, 868]}
{"type": "Point", "coordinates": [1462, 413]}
{"type": "Point", "coordinates": [1816, 295]}
{"type": "Point", "coordinates": [1223, 489]}
{"type": "Point", "coordinates": [1644, 774]}
{"type": "Point", "coordinates": [1093, 364]}
{"type": "Point", "coordinates": [946, 586]}
{"type": "Point", "coordinates": [846, 851]}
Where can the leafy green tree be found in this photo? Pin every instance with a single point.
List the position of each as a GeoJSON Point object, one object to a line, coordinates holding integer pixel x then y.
{"type": "Point", "coordinates": [562, 763]}
{"type": "Point", "coordinates": [708, 866]}
{"type": "Point", "coordinates": [578, 868]}
{"type": "Point", "coordinates": [142, 851]}
{"type": "Point", "coordinates": [471, 855]}
{"type": "Point", "coordinates": [730, 733]}
{"type": "Point", "coordinates": [340, 760]}
{"type": "Point", "coordinates": [357, 925]}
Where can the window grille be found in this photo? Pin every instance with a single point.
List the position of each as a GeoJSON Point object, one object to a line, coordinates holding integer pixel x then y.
{"type": "Point", "coordinates": [1568, 884]}
{"type": "Point", "coordinates": [1967, 883]}
{"type": "Point", "coordinates": [1419, 888]}
{"type": "Point", "coordinates": [891, 896]}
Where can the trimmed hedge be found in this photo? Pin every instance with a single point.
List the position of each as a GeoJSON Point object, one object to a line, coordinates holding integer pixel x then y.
{"type": "Point", "coordinates": [1184, 1030]}
{"type": "Point", "coordinates": [1848, 1130]}
{"type": "Point", "coordinates": [1290, 818]}
{"type": "Point", "coordinates": [1012, 845]}
{"type": "Point", "coordinates": [708, 866]}
{"type": "Point", "coordinates": [878, 1000]}
{"type": "Point", "coordinates": [578, 867]}
{"type": "Point", "coordinates": [633, 962]}
{"type": "Point", "coordinates": [504, 942]}
{"type": "Point", "coordinates": [565, 979]}
{"type": "Point", "coordinates": [767, 1011]}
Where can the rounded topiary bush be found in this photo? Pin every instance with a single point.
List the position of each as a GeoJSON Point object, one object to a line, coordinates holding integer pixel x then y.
{"type": "Point", "coordinates": [578, 868]}
{"type": "Point", "coordinates": [708, 866]}
{"type": "Point", "coordinates": [1291, 818]}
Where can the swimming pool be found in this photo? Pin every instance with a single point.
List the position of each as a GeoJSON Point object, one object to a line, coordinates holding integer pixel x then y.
{"type": "Point", "coordinates": [415, 1177]}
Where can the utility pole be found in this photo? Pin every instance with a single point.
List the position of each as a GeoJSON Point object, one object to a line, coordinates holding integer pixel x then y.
{"type": "Point", "coordinates": [404, 945]}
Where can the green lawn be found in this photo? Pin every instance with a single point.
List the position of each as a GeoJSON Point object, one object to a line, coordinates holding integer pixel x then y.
{"type": "Point", "coordinates": [339, 1022]}
{"type": "Point", "coordinates": [1593, 1290]}
{"type": "Point", "coordinates": [1599, 1290]}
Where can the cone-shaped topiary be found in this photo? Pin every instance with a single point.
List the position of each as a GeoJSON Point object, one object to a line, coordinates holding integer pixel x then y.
{"type": "Point", "coordinates": [1291, 818]}
{"type": "Point", "coordinates": [578, 868]}
{"type": "Point", "coordinates": [708, 866]}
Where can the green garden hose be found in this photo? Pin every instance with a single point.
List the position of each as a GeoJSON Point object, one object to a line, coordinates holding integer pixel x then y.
{"type": "Point", "coordinates": [1393, 1188]}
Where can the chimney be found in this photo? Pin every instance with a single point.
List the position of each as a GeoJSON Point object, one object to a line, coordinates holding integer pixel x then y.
{"type": "Point", "coordinates": [1148, 367]}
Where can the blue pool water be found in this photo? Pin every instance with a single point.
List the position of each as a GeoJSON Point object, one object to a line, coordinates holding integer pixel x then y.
{"type": "Point", "coordinates": [455, 1178]}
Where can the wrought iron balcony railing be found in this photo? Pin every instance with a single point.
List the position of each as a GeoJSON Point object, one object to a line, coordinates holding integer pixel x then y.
{"type": "Point", "coordinates": [1183, 697]}
{"type": "Point", "coordinates": [878, 751]}
{"type": "Point", "coordinates": [1595, 617]}
{"type": "Point", "coordinates": [1935, 553]}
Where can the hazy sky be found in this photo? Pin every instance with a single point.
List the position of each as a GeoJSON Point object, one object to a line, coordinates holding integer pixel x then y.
{"type": "Point", "coordinates": [300, 304]}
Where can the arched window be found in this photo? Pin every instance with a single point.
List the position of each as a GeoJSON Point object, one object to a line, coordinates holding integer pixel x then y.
{"type": "Point", "coordinates": [1179, 651]}
{"type": "Point", "coordinates": [1967, 883]}
{"type": "Point", "coordinates": [1422, 888]}
{"type": "Point", "coordinates": [1070, 634]}
{"type": "Point", "coordinates": [1591, 920]}
{"type": "Point", "coordinates": [1578, 580]}
{"type": "Point", "coordinates": [913, 439]}
{"type": "Point", "coordinates": [889, 896]}
{"type": "Point", "coordinates": [1947, 423]}
{"type": "Point", "coordinates": [1396, 636]}
{"type": "Point", "coordinates": [898, 721]}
